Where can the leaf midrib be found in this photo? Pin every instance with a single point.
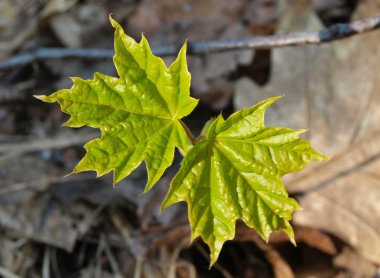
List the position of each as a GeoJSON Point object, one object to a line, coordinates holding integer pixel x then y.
{"type": "Point", "coordinates": [133, 147]}
{"type": "Point", "coordinates": [146, 74]}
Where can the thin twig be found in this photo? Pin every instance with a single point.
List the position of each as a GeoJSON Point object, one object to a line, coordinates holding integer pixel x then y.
{"type": "Point", "coordinates": [112, 260]}
{"type": "Point", "coordinates": [10, 150]}
{"type": "Point", "coordinates": [334, 32]}
{"type": "Point", "coordinates": [85, 224]}
{"type": "Point", "coordinates": [98, 261]}
{"type": "Point", "coordinates": [22, 255]}
{"type": "Point", "coordinates": [40, 184]}
{"type": "Point", "coordinates": [174, 256]}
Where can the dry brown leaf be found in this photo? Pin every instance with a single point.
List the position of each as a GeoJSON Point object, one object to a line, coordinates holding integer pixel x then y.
{"type": "Point", "coordinates": [327, 88]}
{"type": "Point", "coordinates": [39, 219]}
{"type": "Point", "coordinates": [356, 265]}
{"type": "Point", "coordinates": [281, 269]}
{"type": "Point", "coordinates": [342, 197]}
{"type": "Point", "coordinates": [310, 236]}
{"type": "Point", "coordinates": [353, 158]}
{"type": "Point", "coordinates": [46, 208]}
{"type": "Point", "coordinates": [346, 215]}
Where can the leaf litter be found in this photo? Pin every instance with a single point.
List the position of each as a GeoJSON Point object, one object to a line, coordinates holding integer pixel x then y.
{"type": "Point", "coordinates": [146, 234]}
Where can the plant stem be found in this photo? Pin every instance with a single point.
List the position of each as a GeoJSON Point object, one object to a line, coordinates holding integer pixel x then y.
{"type": "Point", "coordinates": [189, 134]}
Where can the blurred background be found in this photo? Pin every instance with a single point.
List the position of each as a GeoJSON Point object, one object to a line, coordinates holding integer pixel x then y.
{"type": "Point", "coordinates": [79, 226]}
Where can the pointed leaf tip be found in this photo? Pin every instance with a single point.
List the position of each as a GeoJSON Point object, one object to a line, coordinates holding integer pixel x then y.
{"type": "Point", "coordinates": [114, 23]}
{"type": "Point", "coordinates": [43, 98]}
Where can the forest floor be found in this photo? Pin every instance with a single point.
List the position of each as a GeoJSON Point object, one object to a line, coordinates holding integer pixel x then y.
{"type": "Point", "coordinates": [80, 226]}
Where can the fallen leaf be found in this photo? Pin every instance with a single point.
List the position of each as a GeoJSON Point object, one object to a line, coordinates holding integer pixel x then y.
{"type": "Point", "coordinates": [357, 266]}
{"type": "Point", "coordinates": [347, 207]}
{"type": "Point", "coordinates": [342, 197]}
{"type": "Point", "coordinates": [310, 236]}
{"type": "Point", "coordinates": [36, 216]}
{"type": "Point", "coordinates": [328, 88]}
{"type": "Point", "coordinates": [352, 158]}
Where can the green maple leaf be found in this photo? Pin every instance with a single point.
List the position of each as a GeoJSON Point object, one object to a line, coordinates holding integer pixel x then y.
{"type": "Point", "coordinates": [138, 113]}
{"type": "Point", "coordinates": [235, 172]}
{"type": "Point", "coordinates": [232, 172]}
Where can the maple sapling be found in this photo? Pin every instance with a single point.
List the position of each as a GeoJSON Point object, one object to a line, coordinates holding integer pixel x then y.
{"type": "Point", "coordinates": [232, 171]}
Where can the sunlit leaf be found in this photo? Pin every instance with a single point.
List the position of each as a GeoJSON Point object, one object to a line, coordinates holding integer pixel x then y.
{"type": "Point", "coordinates": [138, 112]}
{"type": "Point", "coordinates": [235, 172]}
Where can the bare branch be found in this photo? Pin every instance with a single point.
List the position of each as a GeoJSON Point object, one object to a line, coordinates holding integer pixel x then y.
{"type": "Point", "coordinates": [335, 32]}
